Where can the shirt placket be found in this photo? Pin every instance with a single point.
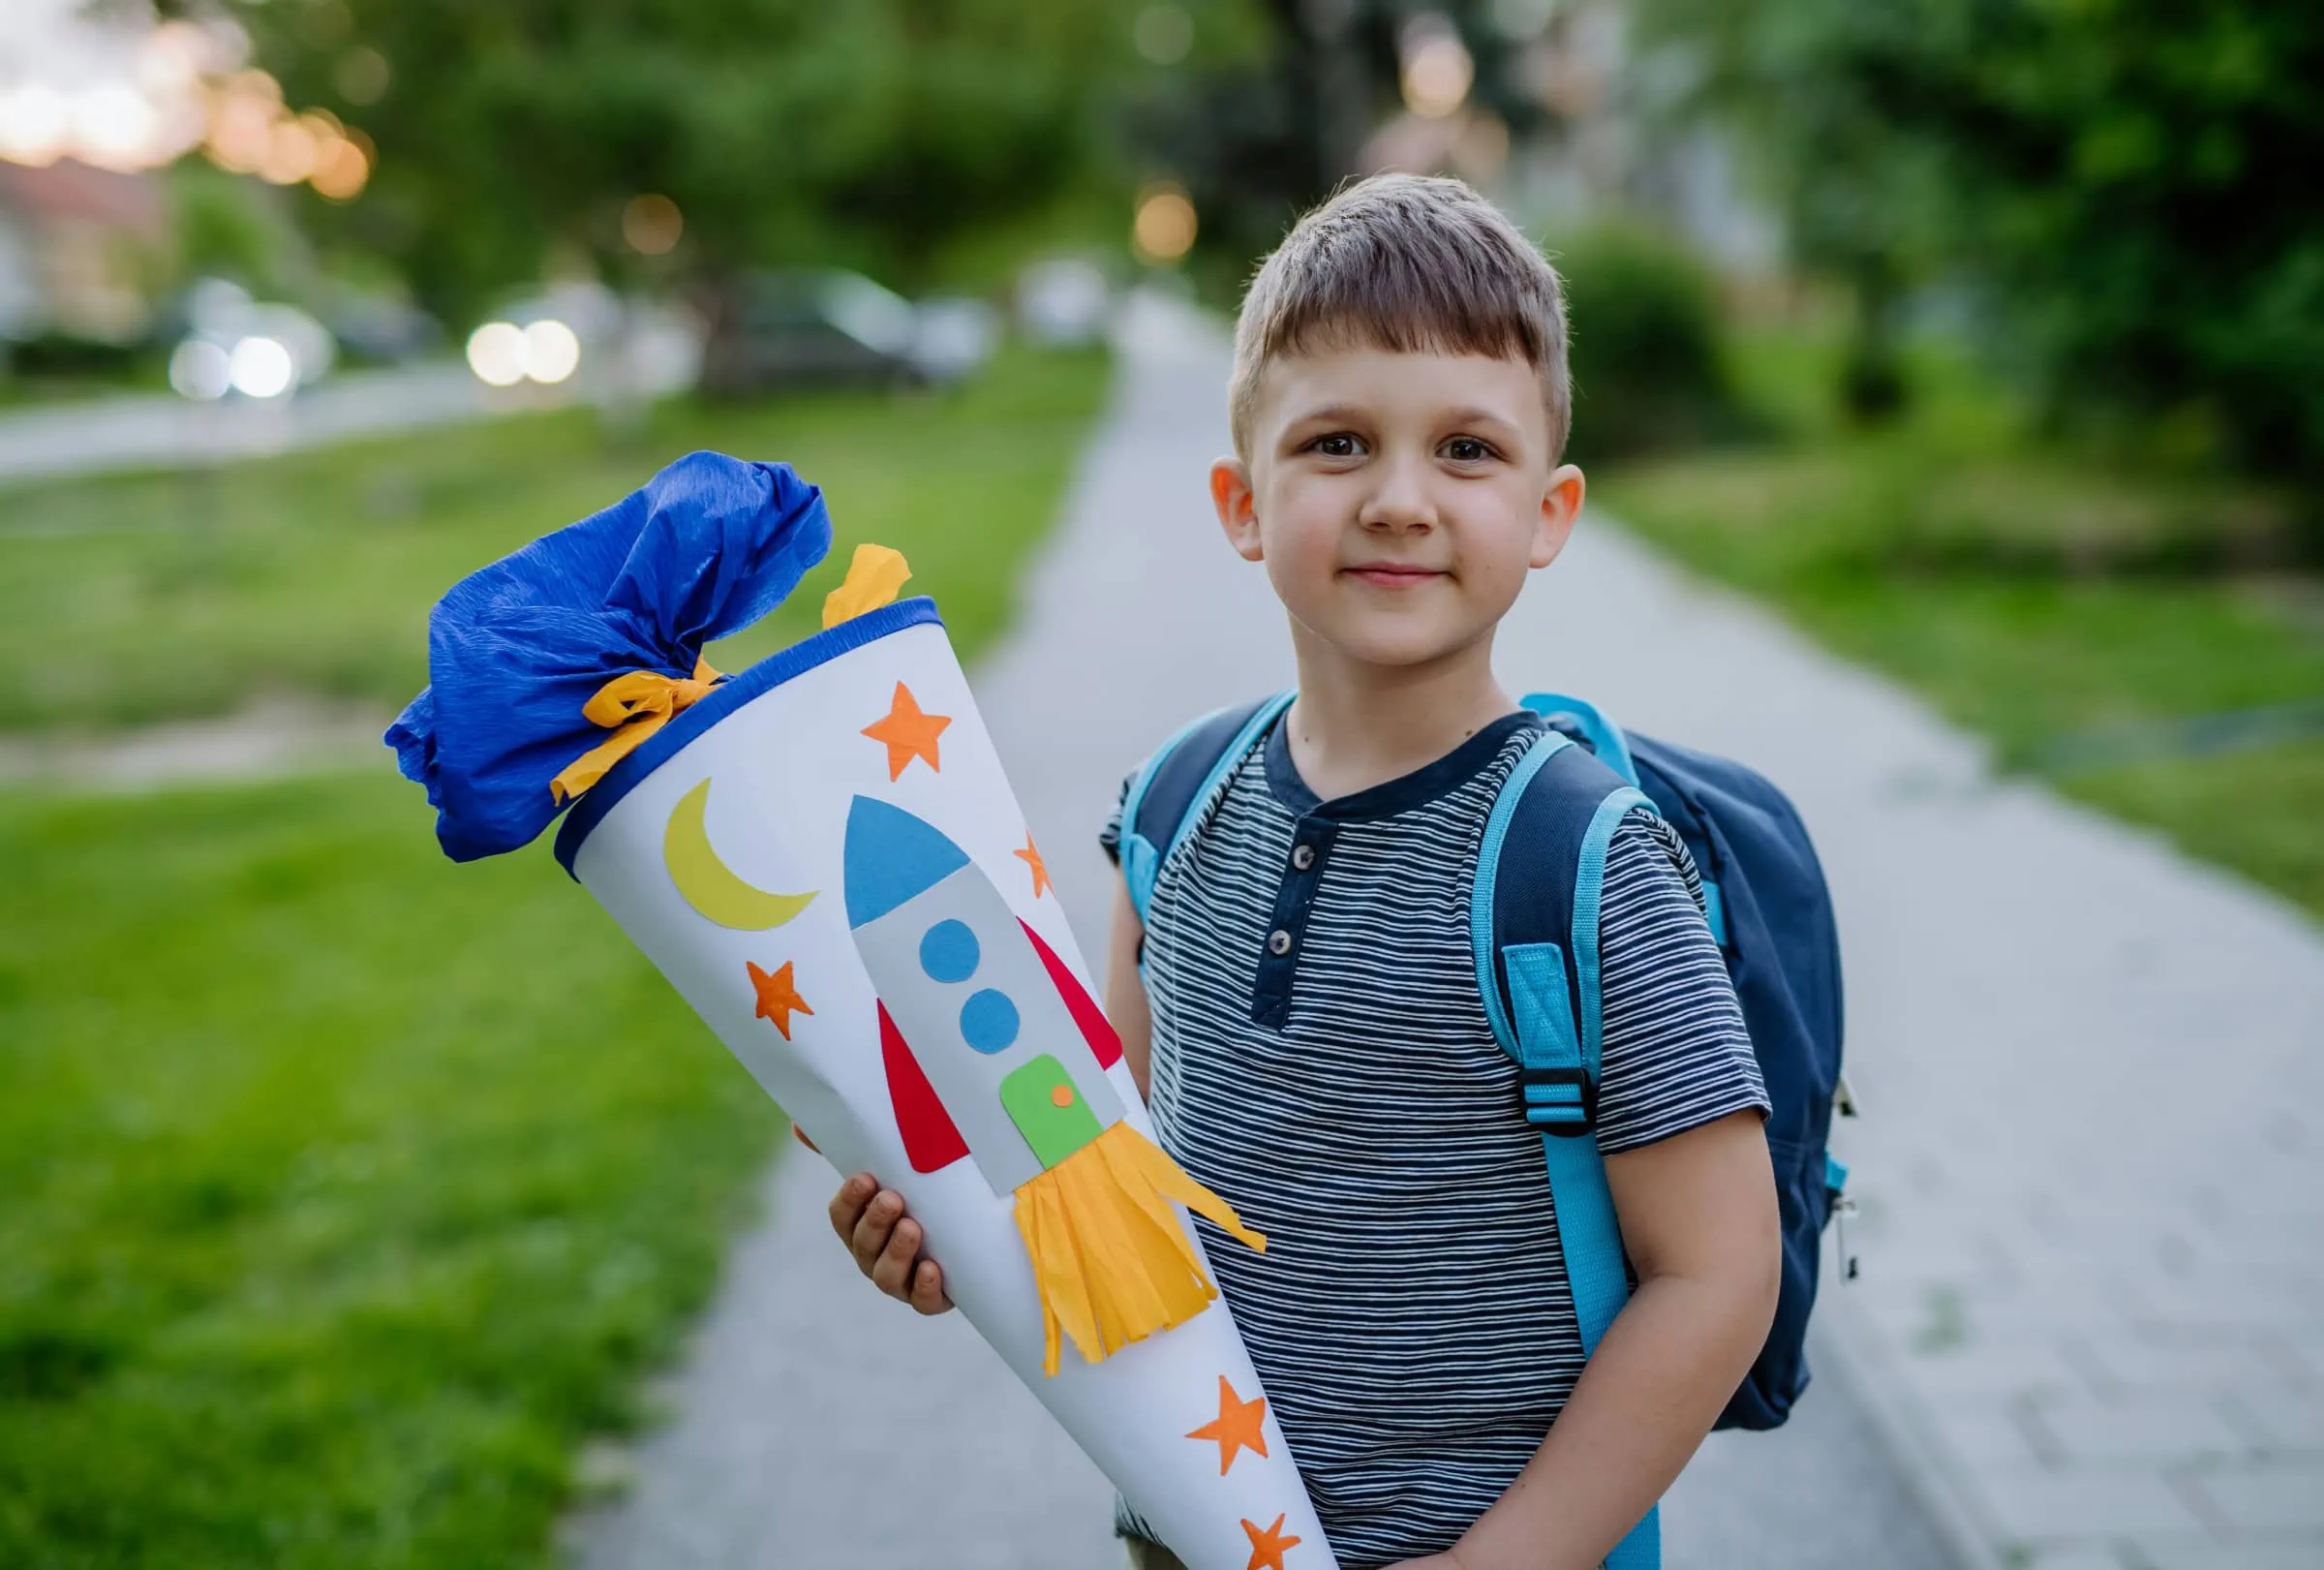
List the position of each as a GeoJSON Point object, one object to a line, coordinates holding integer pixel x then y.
{"type": "Point", "coordinates": [1311, 841]}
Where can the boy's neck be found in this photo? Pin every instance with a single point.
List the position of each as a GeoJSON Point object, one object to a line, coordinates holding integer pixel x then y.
{"type": "Point", "coordinates": [1358, 725]}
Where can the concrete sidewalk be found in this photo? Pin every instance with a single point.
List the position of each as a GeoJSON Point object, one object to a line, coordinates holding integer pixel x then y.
{"type": "Point", "coordinates": [818, 1425]}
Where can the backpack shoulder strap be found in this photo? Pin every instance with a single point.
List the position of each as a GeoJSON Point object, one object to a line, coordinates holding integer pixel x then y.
{"type": "Point", "coordinates": [1533, 915]}
{"type": "Point", "coordinates": [1174, 786]}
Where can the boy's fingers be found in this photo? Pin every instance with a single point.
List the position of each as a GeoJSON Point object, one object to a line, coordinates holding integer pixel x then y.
{"type": "Point", "coordinates": [873, 1230]}
{"type": "Point", "coordinates": [928, 1289]}
{"type": "Point", "coordinates": [848, 1204]}
{"type": "Point", "coordinates": [892, 1270]}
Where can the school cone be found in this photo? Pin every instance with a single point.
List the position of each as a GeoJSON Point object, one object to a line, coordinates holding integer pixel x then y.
{"type": "Point", "coordinates": [824, 858]}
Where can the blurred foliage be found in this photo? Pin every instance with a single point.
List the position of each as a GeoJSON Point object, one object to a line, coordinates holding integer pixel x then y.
{"type": "Point", "coordinates": [2127, 185]}
{"type": "Point", "coordinates": [1269, 111]}
{"type": "Point", "coordinates": [869, 134]}
{"type": "Point", "coordinates": [1645, 345]}
{"type": "Point", "coordinates": [2033, 597]}
{"type": "Point", "coordinates": [153, 597]}
{"type": "Point", "coordinates": [230, 226]}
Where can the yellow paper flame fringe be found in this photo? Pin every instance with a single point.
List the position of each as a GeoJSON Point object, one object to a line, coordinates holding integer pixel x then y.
{"type": "Point", "coordinates": [875, 576]}
{"type": "Point", "coordinates": [1111, 1259]}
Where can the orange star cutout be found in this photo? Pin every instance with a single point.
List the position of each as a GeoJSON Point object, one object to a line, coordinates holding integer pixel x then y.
{"type": "Point", "coordinates": [777, 997]}
{"type": "Point", "coordinates": [1237, 1427]}
{"type": "Point", "coordinates": [1267, 1547]}
{"type": "Point", "coordinates": [909, 733]}
{"type": "Point", "coordinates": [1030, 855]}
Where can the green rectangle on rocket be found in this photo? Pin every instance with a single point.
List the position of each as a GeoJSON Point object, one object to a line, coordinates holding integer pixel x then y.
{"type": "Point", "coordinates": [1041, 1099]}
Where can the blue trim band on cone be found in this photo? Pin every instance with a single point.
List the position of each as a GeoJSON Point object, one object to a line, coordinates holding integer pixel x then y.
{"type": "Point", "coordinates": [729, 695]}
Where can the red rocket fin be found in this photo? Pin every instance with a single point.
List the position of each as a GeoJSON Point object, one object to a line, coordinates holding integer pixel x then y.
{"type": "Point", "coordinates": [930, 1140]}
{"type": "Point", "coordinates": [1097, 1029]}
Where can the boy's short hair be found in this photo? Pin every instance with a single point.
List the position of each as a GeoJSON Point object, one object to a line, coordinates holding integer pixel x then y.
{"type": "Point", "coordinates": [1409, 263]}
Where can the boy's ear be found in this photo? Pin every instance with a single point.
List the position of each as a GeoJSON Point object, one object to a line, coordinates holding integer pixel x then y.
{"type": "Point", "coordinates": [1561, 507]}
{"type": "Point", "coordinates": [1231, 493]}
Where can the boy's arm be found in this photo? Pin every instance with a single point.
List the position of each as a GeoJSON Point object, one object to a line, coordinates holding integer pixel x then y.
{"type": "Point", "coordinates": [1126, 1008]}
{"type": "Point", "coordinates": [1698, 1222]}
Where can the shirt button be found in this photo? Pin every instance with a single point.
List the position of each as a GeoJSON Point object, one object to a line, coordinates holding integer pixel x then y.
{"type": "Point", "coordinates": [1303, 857]}
{"type": "Point", "coordinates": [1278, 942]}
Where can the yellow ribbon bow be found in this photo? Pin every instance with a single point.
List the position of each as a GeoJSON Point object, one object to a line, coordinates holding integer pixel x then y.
{"type": "Point", "coordinates": [633, 705]}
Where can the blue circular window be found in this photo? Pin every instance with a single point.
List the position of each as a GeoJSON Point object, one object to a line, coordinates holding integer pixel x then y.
{"type": "Point", "coordinates": [989, 1021]}
{"type": "Point", "coordinates": [949, 952]}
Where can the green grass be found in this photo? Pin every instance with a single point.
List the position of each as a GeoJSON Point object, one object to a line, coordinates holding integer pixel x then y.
{"type": "Point", "coordinates": [348, 1191]}
{"type": "Point", "coordinates": [2030, 592]}
{"type": "Point", "coordinates": [174, 595]}
{"type": "Point", "coordinates": [346, 1187]}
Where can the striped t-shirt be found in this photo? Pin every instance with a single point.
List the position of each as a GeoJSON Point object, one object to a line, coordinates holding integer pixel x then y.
{"type": "Point", "coordinates": [1320, 1060]}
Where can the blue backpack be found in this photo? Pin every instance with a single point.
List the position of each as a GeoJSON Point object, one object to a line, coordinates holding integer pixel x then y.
{"type": "Point", "coordinates": [1534, 924]}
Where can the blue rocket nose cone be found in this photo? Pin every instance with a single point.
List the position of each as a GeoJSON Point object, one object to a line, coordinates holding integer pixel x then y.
{"type": "Point", "coordinates": [891, 855]}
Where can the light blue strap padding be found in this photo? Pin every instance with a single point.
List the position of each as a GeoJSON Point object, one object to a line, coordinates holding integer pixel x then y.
{"type": "Point", "coordinates": [1488, 877]}
{"type": "Point", "coordinates": [1605, 737]}
{"type": "Point", "coordinates": [1141, 864]}
{"type": "Point", "coordinates": [1835, 1173]}
{"type": "Point", "coordinates": [1589, 889]}
{"type": "Point", "coordinates": [1545, 1038]}
{"type": "Point", "coordinates": [1714, 910]}
{"type": "Point", "coordinates": [1220, 772]}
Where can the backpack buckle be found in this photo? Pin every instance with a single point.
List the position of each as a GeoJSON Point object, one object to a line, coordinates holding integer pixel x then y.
{"type": "Point", "coordinates": [1562, 1100]}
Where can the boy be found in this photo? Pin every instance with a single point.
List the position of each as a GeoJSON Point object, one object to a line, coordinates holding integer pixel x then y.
{"type": "Point", "coordinates": [1309, 1032]}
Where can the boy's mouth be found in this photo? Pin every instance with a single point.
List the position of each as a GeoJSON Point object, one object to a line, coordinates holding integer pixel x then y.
{"type": "Point", "coordinates": [1393, 574]}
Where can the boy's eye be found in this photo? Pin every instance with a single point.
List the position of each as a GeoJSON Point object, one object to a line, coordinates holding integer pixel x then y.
{"type": "Point", "coordinates": [1338, 445]}
{"type": "Point", "coordinates": [1467, 449]}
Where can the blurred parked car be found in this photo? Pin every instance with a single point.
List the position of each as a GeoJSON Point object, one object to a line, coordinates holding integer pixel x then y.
{"type": "Point", "coordinates": [817, 328]}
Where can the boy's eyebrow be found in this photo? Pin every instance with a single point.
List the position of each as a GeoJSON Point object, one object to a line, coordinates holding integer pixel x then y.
{"type": "Point", "coordinates": [1470, 414]}
{"type": "Point", "coordinates": [1331, 412]}
{"type": "Point", "coordinates": [1475, 414]}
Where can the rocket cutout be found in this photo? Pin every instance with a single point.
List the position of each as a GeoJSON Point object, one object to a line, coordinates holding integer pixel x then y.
{"type": "Point", "coordinates": [994, 1052]}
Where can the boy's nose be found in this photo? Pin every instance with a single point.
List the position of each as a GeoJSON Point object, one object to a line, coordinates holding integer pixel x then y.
{"type": "Point", "coordinates": [1400, 503]}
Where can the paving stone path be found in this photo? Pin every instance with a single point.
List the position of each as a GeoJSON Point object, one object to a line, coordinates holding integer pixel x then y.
{"type": "Point", "coordinates": [2090, 1334]}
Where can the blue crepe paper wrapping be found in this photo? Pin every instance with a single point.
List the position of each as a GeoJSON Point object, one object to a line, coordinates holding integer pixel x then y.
{"type": "Point", "coordinates": [705, 548]}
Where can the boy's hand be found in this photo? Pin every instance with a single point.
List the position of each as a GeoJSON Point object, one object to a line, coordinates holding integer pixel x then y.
{"type": "Point", "coordinates": [870, 1222]}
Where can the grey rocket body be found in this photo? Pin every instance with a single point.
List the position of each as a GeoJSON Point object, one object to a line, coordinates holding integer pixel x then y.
{"type": "Point", "coordinates": [963, 983]}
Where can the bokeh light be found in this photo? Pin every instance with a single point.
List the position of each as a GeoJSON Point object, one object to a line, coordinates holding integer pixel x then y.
{"type": "Point", "coordinates": [35, 123]}
{"type": "Point", "coordinates": [362, 76]}
{"type": "Point", "coordinates": [1165, 226]}
{"type": "Point", "coordinates": [343, 169]}
{"type": "Point", "coordinates": [652, 224]}
{"type": "Point", "coordinates": [289, 153]}
{"type": "Point", "coordinates": [1438, 70]}
{"type": "Point", "coordinates": [496, 353]}
{"type": "Point", "coordinates": [1163, 34]}
{"type": "Point", "coordinates": [551, 351]}
{"type": "Point", "coordinates": [260, 368]}
{"type": "Point", "coordinates": [200, 369]}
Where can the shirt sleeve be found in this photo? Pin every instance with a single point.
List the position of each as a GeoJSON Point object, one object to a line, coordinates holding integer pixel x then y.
{"type": "Point", "coordinates": [1675, 1055]}
{"type": "Point", "coordinates": [1109, 837]}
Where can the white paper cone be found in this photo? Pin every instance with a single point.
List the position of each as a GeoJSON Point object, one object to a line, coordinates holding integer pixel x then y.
{"type": "Point", "coordinates": [787, 768]}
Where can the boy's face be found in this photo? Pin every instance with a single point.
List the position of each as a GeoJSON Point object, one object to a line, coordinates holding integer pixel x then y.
{"type": "Point", "coordinates": [1397, 499]}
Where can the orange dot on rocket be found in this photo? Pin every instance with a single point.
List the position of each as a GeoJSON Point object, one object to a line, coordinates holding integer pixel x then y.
{"type": "Point", "coordinates": [1061, 1095]}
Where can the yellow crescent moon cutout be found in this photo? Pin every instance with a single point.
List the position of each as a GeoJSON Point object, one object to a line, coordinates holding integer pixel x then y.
{"type": "Point", "coordinates": [707, 884]}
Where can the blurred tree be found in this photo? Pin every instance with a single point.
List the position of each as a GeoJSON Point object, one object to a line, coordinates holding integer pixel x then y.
{"type": "Point", "coordinates": [2131, 183]}
{"type": "Point", "coordinates": [1645, 354]}
{"type": "Point", "coordinates": [869, 133]}
{"type": "Point", "coordinates": [1270, 107]}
